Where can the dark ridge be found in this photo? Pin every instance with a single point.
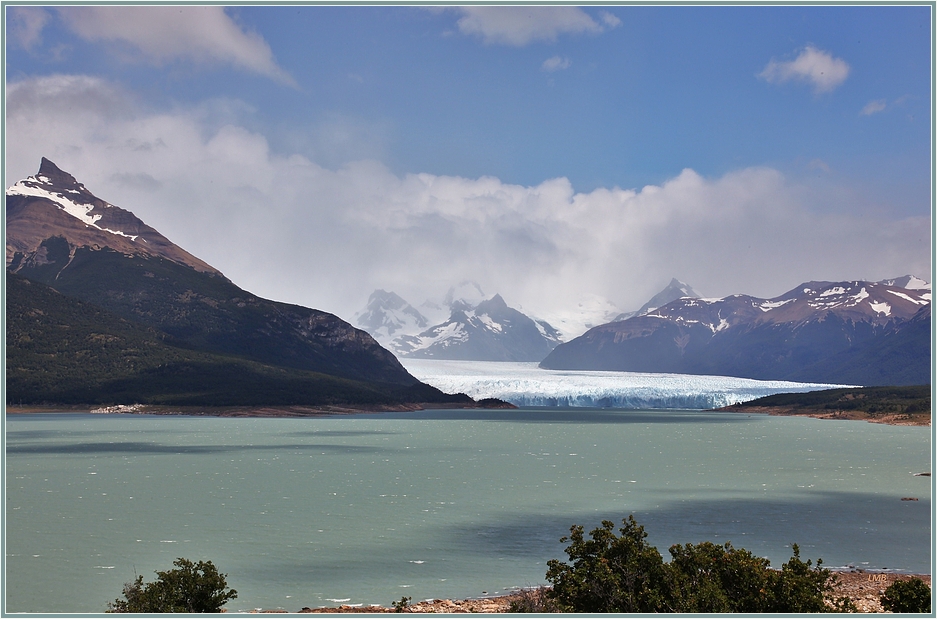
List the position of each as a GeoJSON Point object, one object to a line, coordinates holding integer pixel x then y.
{"type": "Point", "coordinates": [56, 175]}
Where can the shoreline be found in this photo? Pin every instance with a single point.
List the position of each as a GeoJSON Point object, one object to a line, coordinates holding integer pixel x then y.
{"type": "Point", "coordinates": [300, 411]}
{"type": "Point", "coordinates": [290, 411]}
{"type": "Point", "coordinates": [891, 419]}
{"type": "Point", "coordinates": [863, 588]}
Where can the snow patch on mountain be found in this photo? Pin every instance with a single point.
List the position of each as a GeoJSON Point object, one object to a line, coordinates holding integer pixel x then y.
{"type": "Point", "coordinates": [31, 187]}
{"type": "Point", "coordinates": [832, 291]}
{"type": "Point", "coordinates": [770, 305]}
{"type": "Point", "coordinates": [921, 301]}
{"type": "Point", "coordinates": [881, 308]}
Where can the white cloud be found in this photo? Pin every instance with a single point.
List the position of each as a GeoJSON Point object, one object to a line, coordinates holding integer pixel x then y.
{"type": "Point", "coordinates": [26, 24]}
{"type": "Point", "coordinates": [873, 107]}
{"type": "Point", "coordinates": [555, 63]}
{"type": "Point", "coordinates": [162, 34]}
{"type": "Point", "coordinates": [812, 65]}
{"type": "Point", "coordinates": [609, 20]}
{"type": "Point", "coordinates": [521, 25]}
{"type": "Point", "coordinates": [287, 228]}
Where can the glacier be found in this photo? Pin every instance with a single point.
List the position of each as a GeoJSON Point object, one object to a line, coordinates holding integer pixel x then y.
{"type": "Point", "coordinates": [526, 384]}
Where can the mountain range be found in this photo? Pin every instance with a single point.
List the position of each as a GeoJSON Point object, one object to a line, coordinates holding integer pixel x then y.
{"type": "Point", "coordinates": [475, 329]}
{"type": "Point", "coordinates": [84, 257]}
{"type": "Point", "coordinates": [469, 326]}
{"type": "Point", "coordinates": [103, 308]}
{"type": "Point", "coordinates": [858, 332]}
{"type": "Point", "coordinates": [489, 331]}
{"type": "Point", "coordinates": [864, 333]}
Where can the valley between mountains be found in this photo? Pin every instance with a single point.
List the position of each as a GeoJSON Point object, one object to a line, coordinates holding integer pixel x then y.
{"type": "Point", "coordinates": [102, 310]}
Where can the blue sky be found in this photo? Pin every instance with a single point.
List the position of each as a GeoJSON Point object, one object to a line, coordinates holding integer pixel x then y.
{"type": "Point", "coordinates": [517, 147]}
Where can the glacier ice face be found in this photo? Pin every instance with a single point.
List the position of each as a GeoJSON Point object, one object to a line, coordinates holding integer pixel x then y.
{"type": "Point", "coordinates": [525, 384]}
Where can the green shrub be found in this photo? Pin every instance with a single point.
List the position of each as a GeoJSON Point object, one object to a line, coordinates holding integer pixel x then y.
{"type": "Point", "coordinates": [402, 604]}
{"type": "Point", "coordinates": [618, 574]}
{"type": "Point", "coordinates": [907, 596]}
{"type": "Point", "coordinates": [798, 588]}
{"type": "Point", "coordinates": [609, 574]}
{"type": "Point", "coordinates": [709, 578]}
{"type": "Point", "coordinates": [190, 588]}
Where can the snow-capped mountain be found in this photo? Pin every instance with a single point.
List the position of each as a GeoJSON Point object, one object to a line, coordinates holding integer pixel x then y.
{"type": "Point", "coordinates": [674, 290]}
{"type": "Point", "coordinates": [489, 331]}
{"type": "Point", "coordinates": [53, 201]}
{"type": "Point", "coordinates": [387, 316]}
{"type": "Point", "coordinates": [813, 332]}
{"type": "Point", "coordinates": [593, 310]}
{"type": "Point", "coordinates": [872, 302]}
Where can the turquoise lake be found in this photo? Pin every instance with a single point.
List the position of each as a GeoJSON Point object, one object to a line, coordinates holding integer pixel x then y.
{"type": "Point", "coordinates": [364, 509]}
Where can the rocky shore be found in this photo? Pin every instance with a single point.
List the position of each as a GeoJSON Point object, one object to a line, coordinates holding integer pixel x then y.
{"type": "Point", "coordinates": [892, 419]}
{"type": "Point", "coordinates": [863, 588]}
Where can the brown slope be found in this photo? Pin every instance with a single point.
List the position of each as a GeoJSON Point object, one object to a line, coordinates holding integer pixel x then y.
{"type": "Point", "coordinates": [36, 210]}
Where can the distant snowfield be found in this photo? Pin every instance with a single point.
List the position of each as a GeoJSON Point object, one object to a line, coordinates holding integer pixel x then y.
{"type": "Point", "coordinates": [525, 384]}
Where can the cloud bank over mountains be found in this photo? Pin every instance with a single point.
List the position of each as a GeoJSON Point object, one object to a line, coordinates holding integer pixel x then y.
{"type": "Point", "coordinates": [288, 228]}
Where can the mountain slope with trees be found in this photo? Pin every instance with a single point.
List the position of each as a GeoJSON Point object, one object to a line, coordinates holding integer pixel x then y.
{"type": "Point", "coordinates": [61, 350]}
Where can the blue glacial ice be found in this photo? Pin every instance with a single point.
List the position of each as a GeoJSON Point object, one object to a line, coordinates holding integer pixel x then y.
{"type": "Point", "coordinates": [525, 384]}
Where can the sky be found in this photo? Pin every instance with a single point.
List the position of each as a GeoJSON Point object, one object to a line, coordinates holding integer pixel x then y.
{"type": "Point", "coordinates": [550, 154]}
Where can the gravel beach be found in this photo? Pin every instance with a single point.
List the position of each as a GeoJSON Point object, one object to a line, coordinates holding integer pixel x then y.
{"type": "Point", "coordinates": [863, 588]}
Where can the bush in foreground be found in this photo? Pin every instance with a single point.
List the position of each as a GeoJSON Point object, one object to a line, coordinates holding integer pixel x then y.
{"type": "Point", "coordinates": [533, 600]}
{"type": "Point", "coordinates": [907, 596]}
{"type": "Point", "coordinates": [190, 588]}
{"type": "Point", "coordinates": [624, 574]}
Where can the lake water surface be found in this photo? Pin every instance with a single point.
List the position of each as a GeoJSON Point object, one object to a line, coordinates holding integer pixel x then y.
{"type": "Point", "coordinates": [436, 504]}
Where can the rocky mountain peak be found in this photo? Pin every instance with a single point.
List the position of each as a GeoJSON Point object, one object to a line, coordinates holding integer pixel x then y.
{"type": "Point", "coordinates": [493, 304]}
{"type": "Point", "coordinates": [673, 291]}
{"type": "Point", "coordinates": [382, 298]}
{"type": "Point", "coordinates": [51, 174]}
{"type": "Point", "coordinates": [53, 204]}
